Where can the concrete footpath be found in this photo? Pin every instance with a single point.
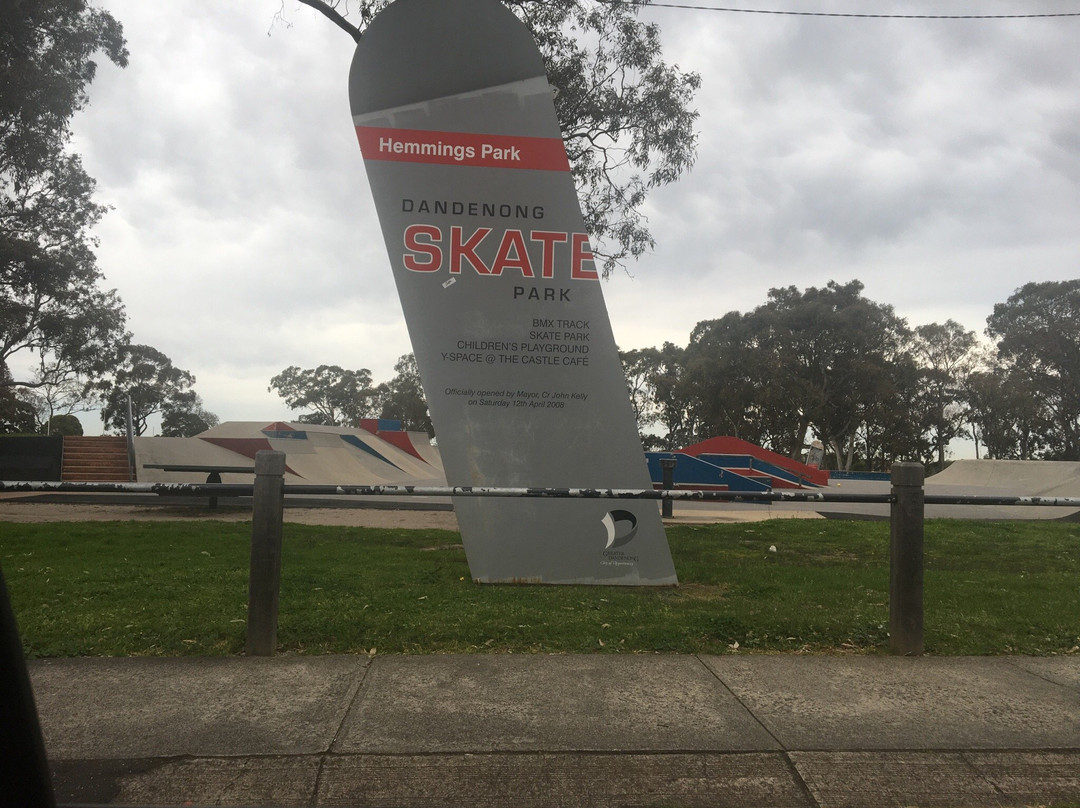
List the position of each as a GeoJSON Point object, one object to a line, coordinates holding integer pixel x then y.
{"type": "Point", "coordinates": [539, 730]}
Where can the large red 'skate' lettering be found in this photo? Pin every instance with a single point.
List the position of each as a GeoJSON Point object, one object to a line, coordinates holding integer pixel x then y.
{"type": "Point", "coordinates": [467, 249]}
{"type": "Point", "coordinates": [512, 240]}
{"type": "Point", "coordinates": [424, 252]}
{"type": "Point", "coordinates": [582, 253]}
{"type": "Point", "coordinates": [414, 247]}
{"type": "Point", "coordinates": [548, 238]}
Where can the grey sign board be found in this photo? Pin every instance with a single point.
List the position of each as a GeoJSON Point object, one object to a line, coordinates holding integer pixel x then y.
{"type": "Point", "coordinates": [501, 294]}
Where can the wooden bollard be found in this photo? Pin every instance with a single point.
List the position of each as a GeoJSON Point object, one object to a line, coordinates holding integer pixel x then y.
{"type": "Point", "coordinates": [906, 560]}
{"type": "Point", "coordinates": [264, 583]}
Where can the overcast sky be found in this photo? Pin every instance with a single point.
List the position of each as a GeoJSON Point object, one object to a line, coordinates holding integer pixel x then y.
{"type": "Point", "coordinates": [937, 161]}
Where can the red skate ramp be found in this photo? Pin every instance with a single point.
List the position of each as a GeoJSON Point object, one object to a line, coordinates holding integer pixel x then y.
{"type": "Point", "coordinates": [797, 474]}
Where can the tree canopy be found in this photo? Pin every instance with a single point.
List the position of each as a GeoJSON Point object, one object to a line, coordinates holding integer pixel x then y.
{"type": "Point", "coordinates": [50, 300]}
{"type": "Point", "coordinates": [16, 415]}
{"type": "Point", "coordinates": [402, 398]}
{"type": "Point", "coordinates": [187, 423]}
{"type": "Point", "coordinates": [1038, 344]}
{"type": "Point", "coordinates": [944, 351]}
{"type": "Point", "coordinates": [333, 395]}
{"type": "Point", "coordinates": [817, 359]}
{"type": "Point", "coordinates": [154, 386]}
{"type": "Point", "coordinates": [830, 364]}
{"type": "Point", "coordinates": [625, 113]}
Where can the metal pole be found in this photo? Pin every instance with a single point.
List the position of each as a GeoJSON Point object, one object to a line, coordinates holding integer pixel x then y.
{"type": "Point", "coordinates": [668, 466]}
{"type": "Point", "coordinates": [906, 560]}
{"type": "Point", "coordinates": [267, 512]}
{"type": "Point", "coordinates": [130, 439]}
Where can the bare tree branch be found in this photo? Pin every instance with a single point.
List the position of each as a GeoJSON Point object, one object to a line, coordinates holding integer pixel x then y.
{"type": "Point", "coordinates": [335, 17]}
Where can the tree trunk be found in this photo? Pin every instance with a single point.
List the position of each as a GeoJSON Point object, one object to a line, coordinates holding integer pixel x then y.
{"type": "Point", "coordinates": [838, 453]}
{"type": "Point", "coordinates": [798, 439]}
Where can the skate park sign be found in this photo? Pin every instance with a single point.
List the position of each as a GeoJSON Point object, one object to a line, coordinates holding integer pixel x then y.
{"type": "Point", "coordinates": [501, 295]}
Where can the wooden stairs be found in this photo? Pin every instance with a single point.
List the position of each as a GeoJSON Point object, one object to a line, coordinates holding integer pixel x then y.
{"type": "Point", "coordinates": [95, 460]}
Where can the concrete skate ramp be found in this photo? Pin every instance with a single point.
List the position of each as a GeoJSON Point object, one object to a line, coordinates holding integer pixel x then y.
{"type": "Point", "coordinates": [1028, 478]}
{"type": "Point", "coordinates": [1023, 478]}
{"type": "Point", "coordinates": [323, 458]}
{"type": "Point", "coordinates": [189, 452]}
{"type": "Point", "coordinates": [314, 455]}
{"type": "Point", "coordinates": [409, 465]}
{"type": "Point", "coordinates": [333, 456]}
{"type": "Point", "coordinates": [1018, 478]}
{"type": "Point", "coordinates": [428, 452]}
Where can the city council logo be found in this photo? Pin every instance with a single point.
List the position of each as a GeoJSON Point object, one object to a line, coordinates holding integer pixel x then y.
{"type": "Point", "coordinates": [621, 527]}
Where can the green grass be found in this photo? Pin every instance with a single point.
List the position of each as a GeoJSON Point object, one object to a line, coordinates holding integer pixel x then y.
{"type": "Point", "coordinates": [141, 588]}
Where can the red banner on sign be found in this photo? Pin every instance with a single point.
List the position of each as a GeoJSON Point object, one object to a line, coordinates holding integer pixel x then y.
{"type": "Point", "coordinates": [462, 148]}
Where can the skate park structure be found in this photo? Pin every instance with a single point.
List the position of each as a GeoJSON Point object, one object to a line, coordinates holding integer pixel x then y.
{"type": "Point", "coordinates": [380, 452]}
{"type": "Point", "coordinates": [732, 464]}
{"type": "Point", "coordinates": [738, 466]}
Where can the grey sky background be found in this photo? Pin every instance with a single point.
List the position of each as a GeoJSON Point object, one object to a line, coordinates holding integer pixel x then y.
{"type": "Point", "coordinates": [937, 161]}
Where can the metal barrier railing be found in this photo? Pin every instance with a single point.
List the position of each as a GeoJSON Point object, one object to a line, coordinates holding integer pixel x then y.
{"type": "Point", "coordinates": [906, 499]}
{"type": "Point", "coordinates": [676, 494]}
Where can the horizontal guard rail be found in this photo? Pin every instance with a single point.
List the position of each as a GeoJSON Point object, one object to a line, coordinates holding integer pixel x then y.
{"type": "Point", "coordinates": [246, 489]}
{"type": "Point", "coordinates": [169, 489]}
{"type": "Point", "coordinates": [977, 499]}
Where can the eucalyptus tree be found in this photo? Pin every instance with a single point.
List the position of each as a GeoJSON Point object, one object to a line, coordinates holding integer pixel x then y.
{"type": "Point", "coordinates": [898, 423]}
{"type": "Point", "coordinates": [678, 416]}
{"type": "Point", "coordinates": [945, 353]}
{"type": "Point", "coordinates": [51, 303]}
{"type": "Point", "coordinates": [823, 361]}
{"type": "Point", "coordinates": [147, 378]}
{"type": "Point", "coordinates": [1037, 333]}
{"type": "Point", "coordinates": [333, 395]}
{"type": "Point", "coordinates": [833, 353]}
{"type": "Point", "coordinates": [1008, 418]}
{"type": "Point", "coordinates": [640, 367]}
{"type": "Point", "coordinates": [729, 378]}
{"type": "Point", "coordinates": [402, 398]}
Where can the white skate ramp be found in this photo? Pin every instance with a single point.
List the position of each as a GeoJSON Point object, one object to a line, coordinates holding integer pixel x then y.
{"type": "Point", "coordinates": [1016, 478]}
{"type": "Point", "coordinates": [1027, 478]}
{"type": "Point", "coordinates": [314, 455]}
